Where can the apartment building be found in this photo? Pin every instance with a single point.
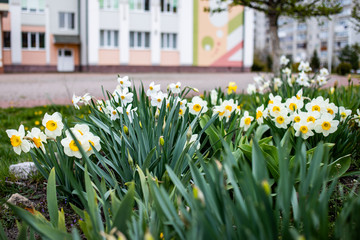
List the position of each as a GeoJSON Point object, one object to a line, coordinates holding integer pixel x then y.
{"type": "Point", "coordinates": [126, 35]}
{"type": "Point", "coordinates": [298, 40]}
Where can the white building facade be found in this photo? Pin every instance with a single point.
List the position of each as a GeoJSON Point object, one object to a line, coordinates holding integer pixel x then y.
{"type": "Point", "coordinates": [299, 40]}
{"type": "Point", "coordinates": [98, 35]}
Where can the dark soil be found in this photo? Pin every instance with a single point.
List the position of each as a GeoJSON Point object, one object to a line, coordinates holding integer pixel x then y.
{"type": "Point", "coordinates": [35, 191]}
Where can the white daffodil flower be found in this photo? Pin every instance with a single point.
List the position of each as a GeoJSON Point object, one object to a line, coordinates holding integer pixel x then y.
{"type": "Point", "coordinates": [192, 141]}
{"type": "Point", "coordinates": [312, 116]}
{"type": "Point", "coordinates": [238, 108]}
{"type": "Point", "coordinates": [317, 105]}
{"type": "Point", "coordinates": [258, 79]}
{"type": "Point", "coordinates": [81, 128]}
{"type": "Point", "coordinates": [183, 107]}
{"type": "Point", "coordinates": [213, 96]}
{"type": "Point", "coordinates": [245, 121]}
{"type": "Point", "coordinates": [304, 129]}
{"type": "Point", "coordinates": [326, 125]}
{"type": "Point", "coordinates": [276, 107]}
{"type": "Point", "coordinates": [251, 89]}
{"type": "Point", "coordinates": [299, 94]}
{"type": "Point", "coordinates": [124, 82]}
{"type": "Point", "coordinates": [260, 114]}
{"type": "Point", "coordinates": [38, 138]}
{"type": "Point", "coordinates": [278, 82]}
{"type": "Point", "coordinates": [175, 88]}
{"type": "Point", "coordinates": [75, 101]}
{"type": "Point", "coordinates": [123, 96]}
{"type": "Point", "coordinates": [53, 124]}
{"type": "Point", "coordinates": [298, 116]}
{"type": "Point", "coordinates": [17, 140]}
{"type": "Point", "coordinates": [130, 112]}
{"type": "Point", "coordinates": [230, 106]}
{"type": "Point", "coordinates": [94, 142]}
{"type": "Point", "coordinates": [273, 98]}
{"type": "Point", "coordinates": [332, 109]}
{"type": "Point", "coordinates": [114, 112]}
{"type": "Point", "coordinates": [304, 66]}
{"type": "Point", "coordinates": [287, 71]}
{"type": "Point", "coordinates": [303, 79]}
{"type": "Point", "coordinates": [86, 98]}
{"type": "Point", "coordinates": [289, 81]}
{"type": "Point", "coordinates": [157, 99]}
{"type": "Point", "coordinates": [197, 105]}
{"type": "Point", "coordinates": [219, 110]}
{"type": "Point", "coordinates": [153, 89]}
{"type": "Point", "coordinates": [70, 147]}
{"type": "Point", "coordinates": [294, 104]}
{"type": "Point", "coordinates": [324, 72]}
{"type": "Point", "coordinates": [357, 116]}
{"type": "Point", "coordinates": [344, 113]}
{"type": "Point", "coordinates": [284, 60]}
{"type": "Point", "coordinates": [281, 119]}
{"type": "Point", "coordinates": [321, 80]}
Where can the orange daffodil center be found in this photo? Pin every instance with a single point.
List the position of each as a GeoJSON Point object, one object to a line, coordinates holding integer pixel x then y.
{"type": "Point", "coordinates": [197, 107]}
{"type": "Point", "coordinates": [73, 147]}
{"type": "Point", "coordinates": [51, 125]}
{"type": "Point", "coordinates": [304, 129]}
{"type": "Point", "coordinates": [326, 125]}
{"type": "Point", "coordinates": [15, 141]}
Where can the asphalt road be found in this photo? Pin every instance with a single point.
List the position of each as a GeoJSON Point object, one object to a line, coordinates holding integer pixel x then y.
{"type": "Point", "coordinates": [27, 90]}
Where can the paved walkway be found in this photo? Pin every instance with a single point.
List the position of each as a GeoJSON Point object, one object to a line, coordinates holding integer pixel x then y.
{"type": "Point", "coordinates": [27, 90]}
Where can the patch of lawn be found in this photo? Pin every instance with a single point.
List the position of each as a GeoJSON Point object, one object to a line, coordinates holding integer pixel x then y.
{"type": "Point", "coordinates": [11, 118]}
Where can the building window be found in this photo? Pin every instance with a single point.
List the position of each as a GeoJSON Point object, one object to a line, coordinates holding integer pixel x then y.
{"type": "Point", "coordinates": [139, 40]}
{"type": "Point", "coordinates": [33, 5]}
{"type": "Point", "coordinates": [139, 5]}
{"type": "Point", "coordinates": [66, 20]}
{"type": "Point", "coordinates": [109, 4]}
{"type": "Point", "coordinates": [169, 6]}
{"type": "Point", "coordinates": [33, 41]}
{"type": "Point", "coordinates": [169, 41]}
{"type": "Point", "coordinates": [7, 39]}
{"type": "Point", "coordinates": [301, 45]}
{"type": "Point", "coordinates": [109, 38]}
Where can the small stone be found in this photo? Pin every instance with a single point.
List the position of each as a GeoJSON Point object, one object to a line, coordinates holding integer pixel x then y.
{"type": "Point", "coordinates": [20, 201]}
{"type": "Point", "coordinates": [23, 170]}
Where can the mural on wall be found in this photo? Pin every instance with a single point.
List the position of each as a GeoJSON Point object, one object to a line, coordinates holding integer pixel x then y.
{"type": "Point", "coordinates": [218, 37]}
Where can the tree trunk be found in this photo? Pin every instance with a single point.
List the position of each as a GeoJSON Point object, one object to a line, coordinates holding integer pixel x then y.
{"type": "Point", "coordinates": [275, 43]}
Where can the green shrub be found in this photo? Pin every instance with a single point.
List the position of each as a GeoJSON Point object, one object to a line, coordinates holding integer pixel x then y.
{"type": "Point", "coordinates": [258, 66]}
{"type": "Point", "coordinates": [343, 68]}
{"type": "Point", "coordinates": [295, 67]}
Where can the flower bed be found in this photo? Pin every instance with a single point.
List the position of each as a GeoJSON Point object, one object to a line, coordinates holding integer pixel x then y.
{"type": "Point", "coordinates": [153, 164]}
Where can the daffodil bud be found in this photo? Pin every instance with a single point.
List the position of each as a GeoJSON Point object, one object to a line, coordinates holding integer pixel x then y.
{"type": "Point", "coordinates": [218, 165]}
{"type": "Point", "coordinates": [332, 90]}
{"type": "Point", "coordinates": [163, 126]}
{"type": "Point", "coordinates": [195, 90]}
{"type": "Point", "coordinates": [161, 141]}
{"type": "Point", "coordinates": [148, 236]}
{"type": "Point", "coordinates": [301, 237]}
{"type": "Point", "coordinates": [188, 134]}
{"type": "Point", "coordinates": [126, 130]}
{"type": "Point", "coordinates": [198, 194]}
{"type": "Point", "coordinates": [130, 160]}
{"type": "Point", "coordinates": [266, 187]}
{"type": "Point", "coordinates": [140, 124]}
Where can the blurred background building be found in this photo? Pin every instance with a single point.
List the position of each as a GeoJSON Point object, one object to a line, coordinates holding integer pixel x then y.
{"type": "Point", "coordinates": [299, 40]}
{"type": "Point", "coordinates": [125, 35]}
